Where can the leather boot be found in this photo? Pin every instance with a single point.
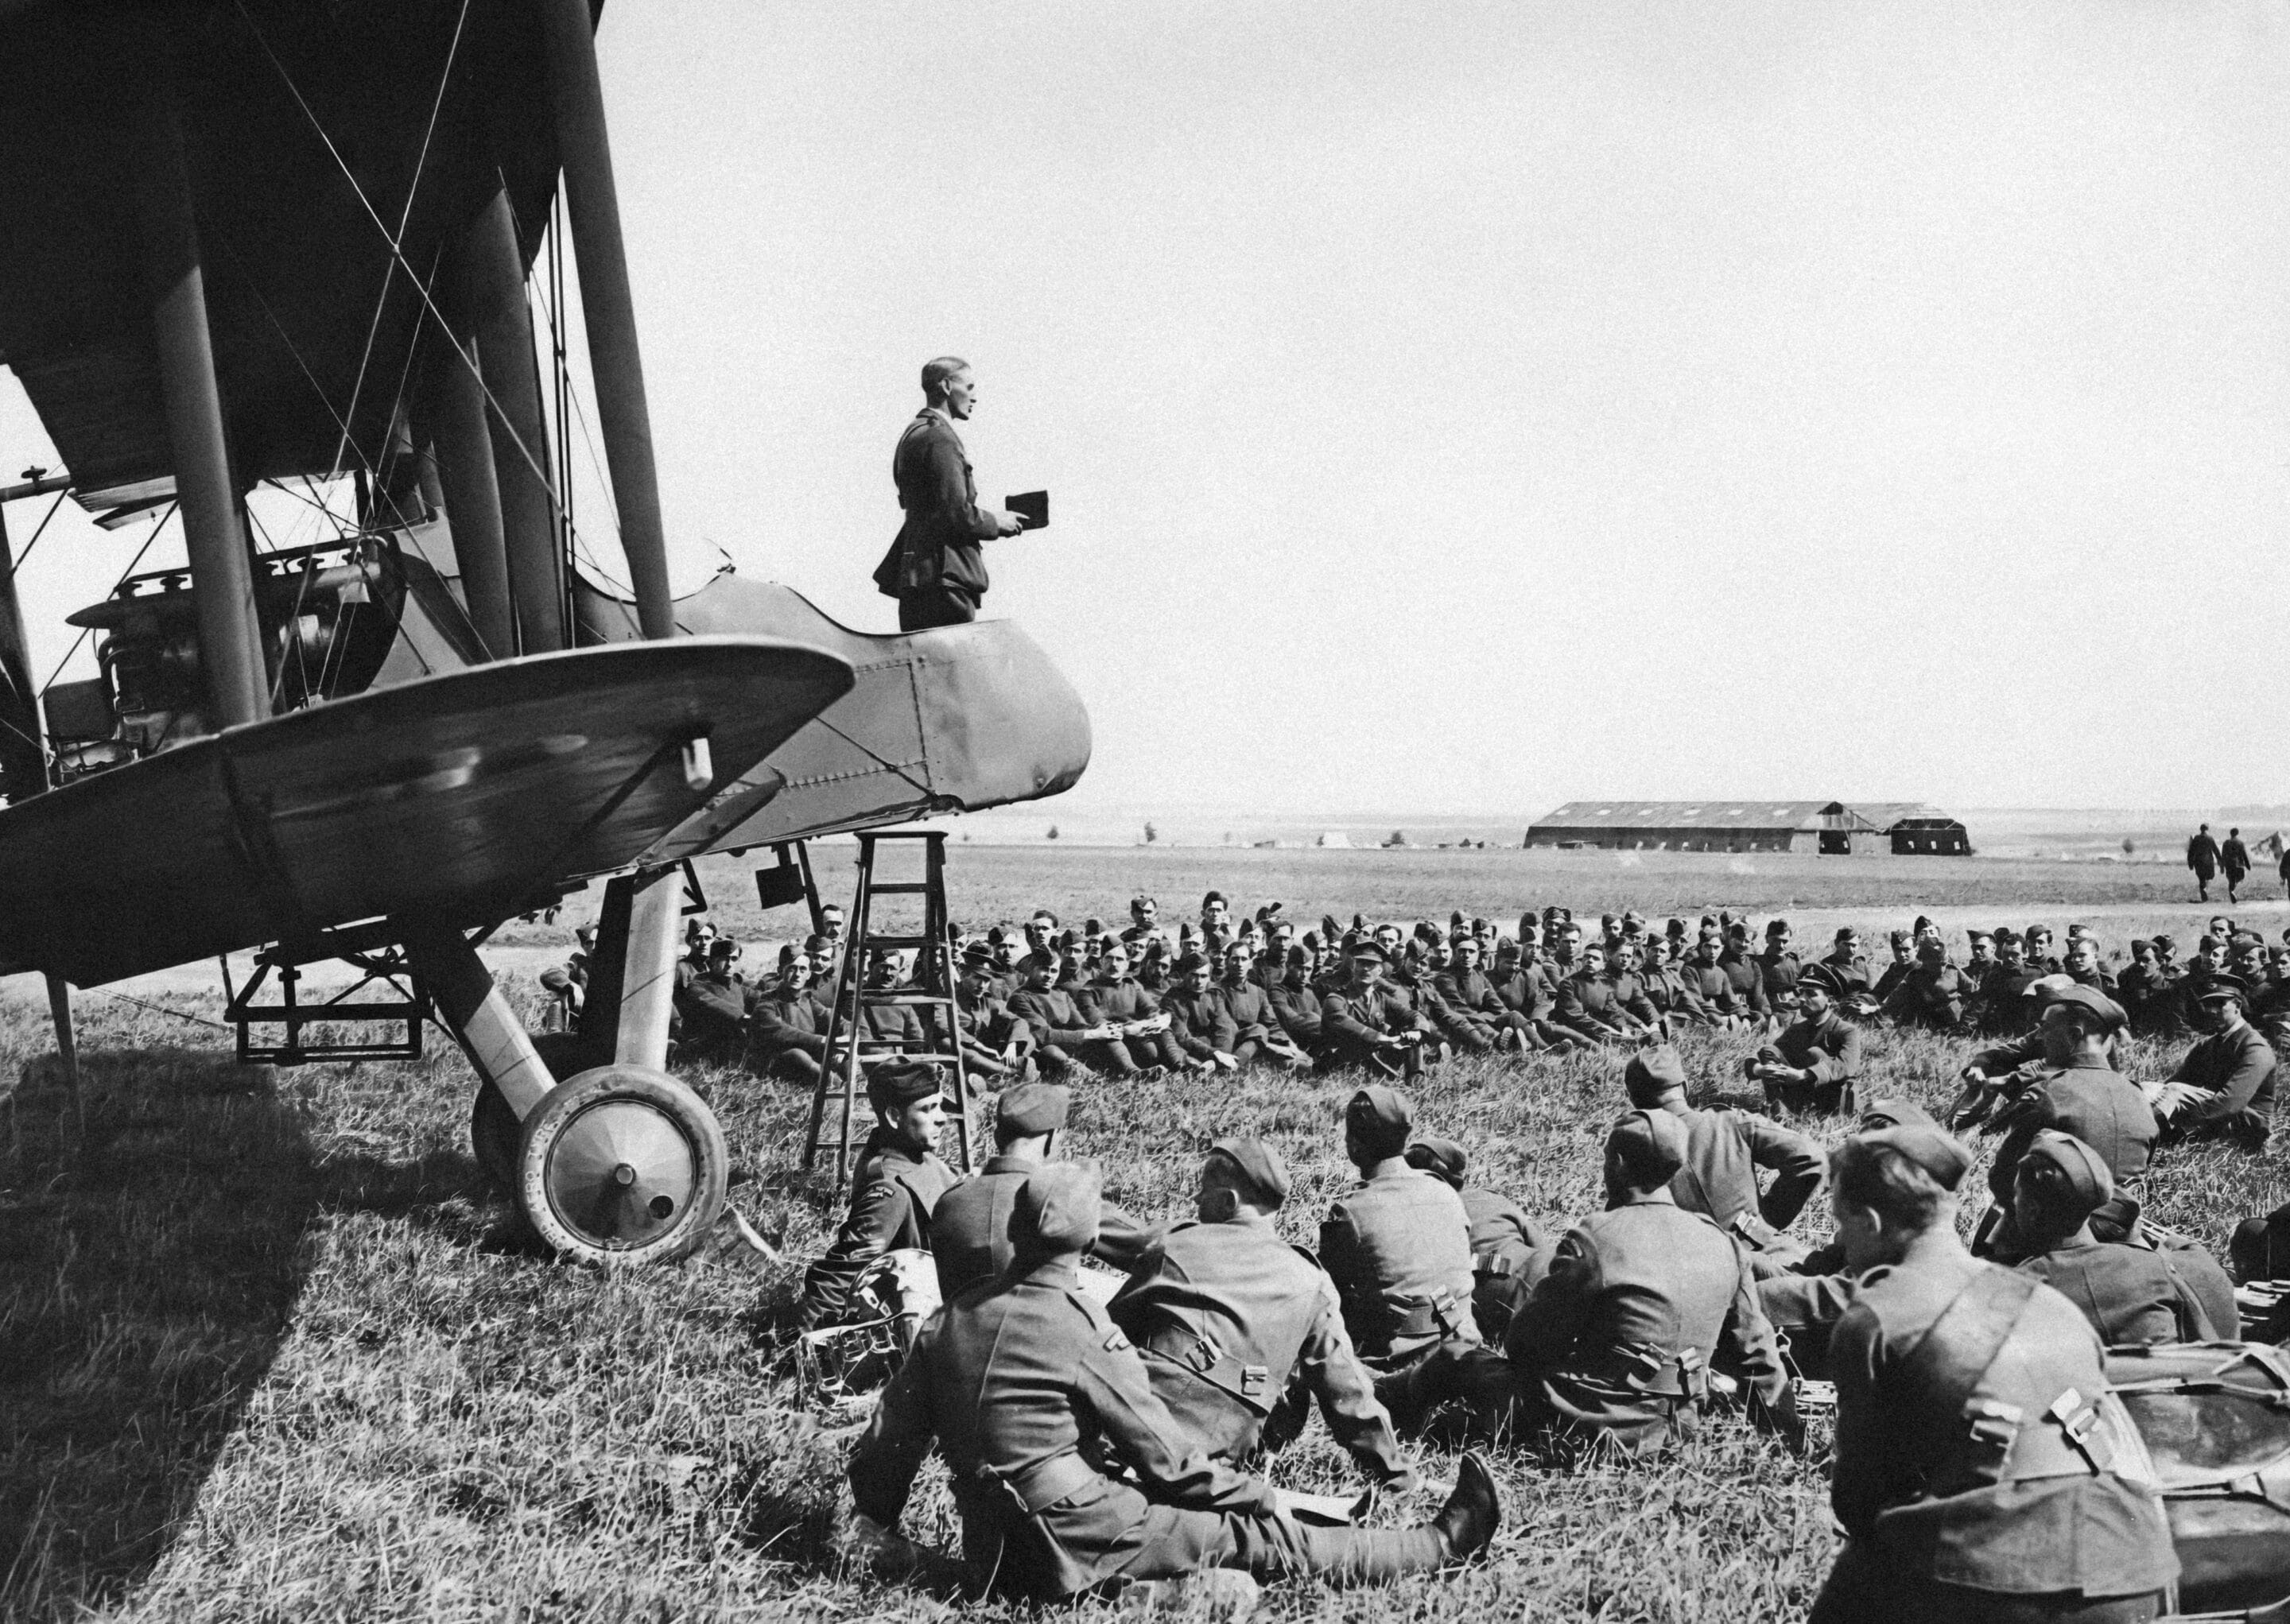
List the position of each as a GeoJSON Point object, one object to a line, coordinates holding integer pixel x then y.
{"type": "Point", "coordinates": [1467, 1520]}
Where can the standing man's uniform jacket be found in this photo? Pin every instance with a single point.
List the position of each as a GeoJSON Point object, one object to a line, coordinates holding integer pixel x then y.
{"type": "Point", "coordinates": [937, 546]}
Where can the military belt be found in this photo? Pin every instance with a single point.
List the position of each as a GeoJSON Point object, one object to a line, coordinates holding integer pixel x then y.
{"type": "Point", "coordinates": [1039, 1484]}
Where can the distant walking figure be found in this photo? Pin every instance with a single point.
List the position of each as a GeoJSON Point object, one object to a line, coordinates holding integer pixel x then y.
{"type": "Point", "coordinates": [2203, 858]}
{"type": "Point", "coordinates": [2234, 861]}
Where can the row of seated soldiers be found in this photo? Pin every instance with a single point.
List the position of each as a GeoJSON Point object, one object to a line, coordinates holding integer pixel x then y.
{"type": "Point", "coordinates": [1042, 1001]}
{"type": "Point", "coordinates": [1436, 1305]}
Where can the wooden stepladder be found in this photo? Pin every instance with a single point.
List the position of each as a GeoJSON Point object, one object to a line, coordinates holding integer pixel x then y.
{"type": "Point", "coordinates": [850, 1050]}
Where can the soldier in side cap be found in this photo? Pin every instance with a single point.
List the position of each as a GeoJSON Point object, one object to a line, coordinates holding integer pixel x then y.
{"type": "Point", "coordinates": [972, 1226]}
{"type": "Point", "coordinates": [1804, 1298]}
{"type": "Point", "coordinates": [1977, 1444]}
{"type": "Point", "coordinates": [1815, 1063]}
{"type": "Point", "coordinates": [1242, 1333]}
{"type": "Point", "coordinates": [2132, 1294]}
{"type": "Point", "coordinates": [2077, 1092]}
{"type": "Point", "coordinates": [1398, 1243]}
{"type": "Point", "coordinates": [1617, 1339]}
{"type": "Point", "coordinates": [1723, 1151]}
{"type": "Point", "coordinates": [1933, 994]}
{"type": "Point", "coordinates": [1027, 1386]}
{"type": "Point", "coordinates": [1504, 1241]}
{"type": "Point", "coordinates": [2224, 1086]}
{"type": "Point", "coordinates": [895, 1189]}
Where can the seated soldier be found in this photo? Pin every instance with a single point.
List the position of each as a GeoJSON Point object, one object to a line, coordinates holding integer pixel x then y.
{"type": "Point", "coordinates": [1616, 1340]}
{"type": "Point", "coordinates": [1504, 1243]}
{"type": "Point", "coordinates": [1063, 1030]}
{"type": "Point", "coordinates": [2132, 1295]}
{"type": "Point", "coordinates": [1723, 1150]}
{"type": "Point", "coordinates": [1398, 1243]}
{"type": "Point", "coordinates": [1526, 988]}
{"type": "Point", "coordinates": [971, 1225]}
{"type": "Point", "coordinates": [1286, 978]}
{"type": "Point", "coordinates": [1366, 1024]}
{"type": "Point", "coordinates": [2223, 1088]}
{"type": "Point", "coordinates": [1903, 947]}
{"type": "Point", "coordinates": [2037, 940]}
{"type": "Point", "coordinates": [2077, 1091]}
{"type": "Point", "coordinates": [889, 1027]}
{"type": "Point", "coordinates": [1814, 1064]}
{"type": "Point", "coordinates": [1465, 989]}
{"type": "Point", "coordinates": [1713, 989]}
{"type": "Point", "coordinates": [1624, 963]}
{"type": "Point", "coordinates": [1257, 1033]}
{"type": "Point", "coordinates": [1933, 995]}
{"type": "Point", "coordinates": [893, 1189]}
{"type": "Point", "coordinates": [1242, 1333]}
{"type": "Point", "coordinates": [996, 1044]}
{"type": "Point", "coordinates": [1675, 1002]}
{"type": "Point", "coordinates": [1805, 1297]}
{"type": "Point", "coordinates": [1977, 1438]}
{"type": "Point", "coordinates": [1015, 1376]}
{"type": "Point", "coordinates": [2083, 967]}
{"type": "Point", "coordinates": [1198, 1025]}
{"type": "Point", "coordinates": [1850, 967]}
{"type": "Point", "coordinates": [2004, 1009]}
{"type": "Point", "coordinates": [1141, 1030]}
{"type": "Point", "coordinates": [1778, 966]}
{"type": "Point", "coordinates": [1741, 969]}
{"type": "Point", "coordinates": [1461, 1030]}
{"type": "Point", "coordinates": [1590, 1004]}
{"type": "Point", "coordinates": [713, 1008]}
{"type": "Point", "coordinates": [787, 1025]}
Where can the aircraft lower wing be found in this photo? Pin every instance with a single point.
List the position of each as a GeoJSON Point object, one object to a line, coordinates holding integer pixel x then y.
{"type": "Point", "coordinates": [458, 798]}
{"type": "Point", "coordinates": [952, 720]}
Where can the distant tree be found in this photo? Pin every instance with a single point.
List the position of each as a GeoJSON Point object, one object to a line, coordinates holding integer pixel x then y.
{"type": "Point", "coordinates": [1151, 834]}
{"type": "Point", "coordinates": [1053, 831]}
{"type": "Point", "coordinates": [2128, 847]}
{"type": "Point", "coordinates": [1398, 838]}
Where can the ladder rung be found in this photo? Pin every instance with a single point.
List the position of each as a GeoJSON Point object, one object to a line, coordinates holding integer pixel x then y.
{"type": "Point", "coordinates": [902, 888]}
{"type": "Point", "coordinates": [879, 999]}
{"type": "Point", "coordinates": [876, 939]}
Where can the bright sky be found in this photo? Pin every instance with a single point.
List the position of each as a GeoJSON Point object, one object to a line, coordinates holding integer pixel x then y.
{"type": "Point", "coordinates": [1478, 406]}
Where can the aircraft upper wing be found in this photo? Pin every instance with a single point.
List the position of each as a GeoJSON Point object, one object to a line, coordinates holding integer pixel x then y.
{"type": "Point", "coordinates": [281, 103]}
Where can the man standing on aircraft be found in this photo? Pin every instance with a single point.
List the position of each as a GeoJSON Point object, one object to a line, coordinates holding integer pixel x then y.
{"type": "Point", "coordinates": [934, 567]}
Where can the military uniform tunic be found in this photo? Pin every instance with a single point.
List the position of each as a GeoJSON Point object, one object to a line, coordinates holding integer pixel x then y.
{"type": "Point", "coordinates": [2135, 1295]}
{"type": "Point", "coordinates": [893, 1194]}
{"type": "Point", "coordinates": [2235, 1070]}
{"type": "Point", "coordinates": [1618, 1336]}
{"type": "Point", "coordinates": [1504, 1248]}
{"type": "Point", "coordinates": [1240, 1332]}
{"type": "Point", "coordinates": [1038, 1401]}
{"type": "Point", "coordinates": [1398, 1247]}
{"type": "Point", "coordinates": [1723, 1151]}
{"type": "Point", "coordinates": [971, 1236]}
{"type": "Point", "coordinates": [1831, 1049]}
{"type": "Point", "coordinates": [1955, 1482]}
{"type": "Point", "coordinates": [2093, 1103]}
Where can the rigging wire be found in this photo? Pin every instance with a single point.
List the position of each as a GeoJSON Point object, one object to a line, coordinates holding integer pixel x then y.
{"type": "Point", "coordinates": [41, 531]}
{"type": "Point", "coordinates": [397, 249]}
{"type": "Point", "coordinates": [116, 585]}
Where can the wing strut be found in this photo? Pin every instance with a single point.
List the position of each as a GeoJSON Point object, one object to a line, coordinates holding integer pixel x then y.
{"type": "Point", "coordinates": [59, 1009]}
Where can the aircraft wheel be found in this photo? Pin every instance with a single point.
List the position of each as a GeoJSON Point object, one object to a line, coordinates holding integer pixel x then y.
{"type": "Point", "coordinates": [622, 1164]}
{"type": "Point", "coordinates": [494, 1129]}
{"type": "Point", "coordinates": [493, 1133]}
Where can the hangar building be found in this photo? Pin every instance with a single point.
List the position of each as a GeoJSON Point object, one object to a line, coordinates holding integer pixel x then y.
{"type": "Point", "coordinates": [1825, 827]}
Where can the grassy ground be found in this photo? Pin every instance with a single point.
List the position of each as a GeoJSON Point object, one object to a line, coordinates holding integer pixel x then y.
{"type": "Point", "coordinates": [270, 1348]}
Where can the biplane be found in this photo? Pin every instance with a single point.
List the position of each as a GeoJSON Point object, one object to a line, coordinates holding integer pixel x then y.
{"type": "Point", "coordinates": [252, 242]}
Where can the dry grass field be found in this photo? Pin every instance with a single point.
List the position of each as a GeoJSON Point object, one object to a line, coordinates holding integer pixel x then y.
{"type": "Point", "coordinates": [270, 1348]}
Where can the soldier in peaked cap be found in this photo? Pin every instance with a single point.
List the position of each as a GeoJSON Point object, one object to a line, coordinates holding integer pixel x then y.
{"type": "Point", "coordinates": [1365, 1023]}
{"type": "Point", "coordinates": [1977, 1440]}
{"type": "Point", "coordinates": [1504, 1241]}
{"type": "Point", "coordinates": [2076, 1090]}
{"type": "Point", "coordinates": [1242, 1332]}
{"type": "Point", "coordinates": [1813, 1063]}
{"type": "Point", "coordinates": [1398, 1243]}
{"type": "Point", "coordinates": [1724, 1152]}
{"type": "Point", "coordinates": [972, 1227]}
{"type": "Point", "coordinates": [2224, 1086]}
{"type": "Point", "coordinates": [2132, 1293]}
{"type": "Point", "coordinates": [895, 1188]}
{"type": "Point", "coordinates": [1014, 1377]}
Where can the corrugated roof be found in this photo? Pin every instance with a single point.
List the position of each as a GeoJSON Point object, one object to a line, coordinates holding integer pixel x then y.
{"type": "Point", "coordinates": [1706, 814]}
